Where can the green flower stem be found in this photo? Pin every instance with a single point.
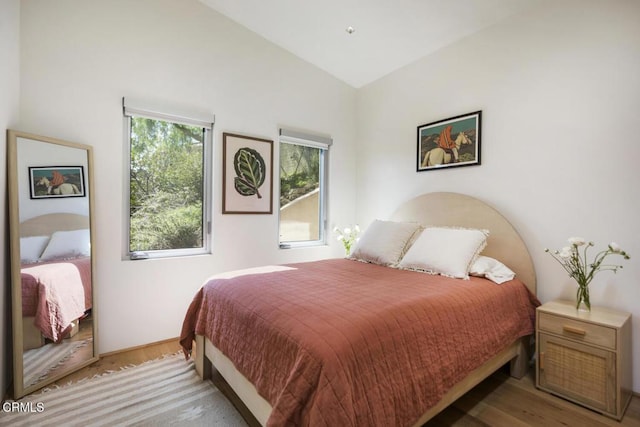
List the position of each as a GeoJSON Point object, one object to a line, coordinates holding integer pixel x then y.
{"type": "Point", "coordinates": [582, 297]}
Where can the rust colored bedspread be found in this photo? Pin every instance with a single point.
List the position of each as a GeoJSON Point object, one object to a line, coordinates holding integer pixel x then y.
{"type": "Point", "coordinates": [340, 342]}
{"type": "Point", "coordinates": [56, 293]}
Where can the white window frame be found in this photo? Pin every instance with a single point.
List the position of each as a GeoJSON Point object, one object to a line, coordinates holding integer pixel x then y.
{"type": "Point", "coordinates": [137, 108]}
{"type": "Point", "coordinates": [323, 143]}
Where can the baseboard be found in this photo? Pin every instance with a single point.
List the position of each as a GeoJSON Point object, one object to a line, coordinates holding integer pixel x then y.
{"type": "Point", "coordinates": [138, 347]}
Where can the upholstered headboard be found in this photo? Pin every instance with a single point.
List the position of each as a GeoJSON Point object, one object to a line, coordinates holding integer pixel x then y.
{"type": "Point", "coordinates": [454, 209]}
{"type": "Point", "coordinates": [45, 225]}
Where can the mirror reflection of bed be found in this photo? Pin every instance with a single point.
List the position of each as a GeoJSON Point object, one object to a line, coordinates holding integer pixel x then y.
{"type": "Point", "coordinates": [55, 259]}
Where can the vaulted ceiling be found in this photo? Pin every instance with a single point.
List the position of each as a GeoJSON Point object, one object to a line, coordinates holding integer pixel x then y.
{"type": "Point", "coordinates": [385, 34]}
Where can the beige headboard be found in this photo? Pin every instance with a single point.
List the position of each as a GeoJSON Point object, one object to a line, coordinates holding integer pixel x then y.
{"type": "Point", "coordinates": [45, 225]}
{"type": "Point", "coordinates": [454, 209]}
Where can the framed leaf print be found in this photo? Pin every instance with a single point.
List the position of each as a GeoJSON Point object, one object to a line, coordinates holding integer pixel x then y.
{"type": "Point", "coordinates": [247, 175]}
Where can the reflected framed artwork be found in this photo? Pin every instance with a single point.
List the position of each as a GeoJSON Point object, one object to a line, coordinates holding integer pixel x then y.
{"type": "Point", "coordinates": [56, 182]}
{"type": "Point", "coordinates": [451, 142]}
{"type": "Point", "coordinates": [247, 175]}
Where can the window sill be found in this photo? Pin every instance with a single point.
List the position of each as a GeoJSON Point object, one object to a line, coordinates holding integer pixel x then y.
{"type": "Point", "coordinates": [298, 245]}
{"type": "Point", "coordinates": [142, 255]}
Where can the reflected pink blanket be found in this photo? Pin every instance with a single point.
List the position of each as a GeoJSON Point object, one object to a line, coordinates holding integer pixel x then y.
{"type": "Point", "coordinates": [56, 294]}
{"type": "Point", "coordinates": [340, 342]}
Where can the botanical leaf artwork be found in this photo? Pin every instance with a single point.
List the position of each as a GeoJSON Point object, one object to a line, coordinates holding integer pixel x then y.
{"type": "Point", "coordinates": [250, 170]}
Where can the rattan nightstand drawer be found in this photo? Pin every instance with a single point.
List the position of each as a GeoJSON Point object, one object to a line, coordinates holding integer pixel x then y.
{"type": "Point", "coordinates": [578, 330]}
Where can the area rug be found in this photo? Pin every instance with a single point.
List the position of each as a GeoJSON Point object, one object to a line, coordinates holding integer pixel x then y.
{"type": "Point", "coordinates": [165, 392]}
{"type": "Point", "coordinates": [38, 362]}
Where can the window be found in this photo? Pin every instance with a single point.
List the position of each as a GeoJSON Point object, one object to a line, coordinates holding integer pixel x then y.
{"type": "Point", "coordinates": [303, 166]}
{"type": "Point", "coordinates": [168, 209]}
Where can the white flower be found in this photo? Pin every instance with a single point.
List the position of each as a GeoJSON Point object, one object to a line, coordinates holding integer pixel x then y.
{"type": "Point", "coordinates": [577, 241]}
{"type": "Point", "coordinates": [348, 236]}
{"type": "Point", "coordinates": [582, 268]}
{"type": "Point", "coordinates": [565, 253]}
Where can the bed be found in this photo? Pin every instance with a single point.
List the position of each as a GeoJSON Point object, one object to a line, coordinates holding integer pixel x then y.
{"type": "Point", "coordinates": [343, 342]}
{"type": "Point", "coordinates": [55, 276]}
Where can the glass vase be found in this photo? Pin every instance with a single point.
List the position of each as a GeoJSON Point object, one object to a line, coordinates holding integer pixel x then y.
{"type": "Point", "coordinates": [583, 303]}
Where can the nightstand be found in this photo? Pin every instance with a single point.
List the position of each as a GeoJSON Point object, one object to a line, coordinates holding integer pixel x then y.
{"type": "Point", "coordinates": [585, 357]}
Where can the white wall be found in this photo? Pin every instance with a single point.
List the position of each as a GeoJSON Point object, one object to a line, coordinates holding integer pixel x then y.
{"type": "Point", "coordinates": [79, 58]}
{"type": "Point", "coordinates": [9, 106]}
{"type": "Point", "coordinates": [559, 88]}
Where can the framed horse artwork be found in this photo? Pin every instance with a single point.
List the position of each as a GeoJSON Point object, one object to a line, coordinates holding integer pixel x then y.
{"type": "Point", "coordinates": [450, 142]}
{"type": "Point", "coordinates": [56, 181]}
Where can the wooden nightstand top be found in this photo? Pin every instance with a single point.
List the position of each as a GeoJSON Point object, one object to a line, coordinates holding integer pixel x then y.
{"type": "Point", "coordinates": [598, 315]}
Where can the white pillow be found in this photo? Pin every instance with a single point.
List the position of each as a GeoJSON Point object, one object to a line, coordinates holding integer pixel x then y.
{"type": "Point", "coordinates": [446, 251]}
{"type": "Point", "coordinates": [31, 248]}
{"type": "Point", "coordinates": [67, 244]}
{"type": "Point", "coordinates": [491, 269]}
{"type": "Point", "coordinates": [384, 242]}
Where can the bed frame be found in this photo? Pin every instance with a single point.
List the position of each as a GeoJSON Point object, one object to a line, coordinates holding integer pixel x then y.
{"type": "Point", "coordinates": [46, 225]}
{"type": "Point", "coordinates": [431, 209]}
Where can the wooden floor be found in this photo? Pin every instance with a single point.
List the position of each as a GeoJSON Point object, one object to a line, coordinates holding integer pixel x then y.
{"type": "Point", "coordinates": [499, 401]}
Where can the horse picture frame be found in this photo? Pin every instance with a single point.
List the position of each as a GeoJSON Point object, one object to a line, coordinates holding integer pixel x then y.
{"type": "Point", "coordinates": [448, 143]}
{"type": "Point", "coordinates": [47, 182]}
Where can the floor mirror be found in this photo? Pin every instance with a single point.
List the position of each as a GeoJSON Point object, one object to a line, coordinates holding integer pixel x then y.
{"type": "Point", "coordinates": [51, 229]}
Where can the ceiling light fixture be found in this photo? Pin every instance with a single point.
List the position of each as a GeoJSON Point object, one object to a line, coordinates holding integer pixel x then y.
{"type": "Point", "coordinates": [350, 30]}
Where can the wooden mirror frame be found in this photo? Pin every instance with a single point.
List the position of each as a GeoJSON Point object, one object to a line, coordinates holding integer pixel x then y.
{"type": "Point", "coordinates": [19, 388]}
